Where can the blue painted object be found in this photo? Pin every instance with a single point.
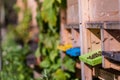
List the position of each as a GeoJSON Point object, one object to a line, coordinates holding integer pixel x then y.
{"type": "Point", "coordinates": [74, 52]}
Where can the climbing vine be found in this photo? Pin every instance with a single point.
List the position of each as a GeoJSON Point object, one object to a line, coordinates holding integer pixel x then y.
{"type": "Point", "coordinates": [14, 54]}
{"type": "Point", "coordinates": [49, 24]}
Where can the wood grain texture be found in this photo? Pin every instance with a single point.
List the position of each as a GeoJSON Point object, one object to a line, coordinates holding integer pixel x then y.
{"type": "Point", "coordinates": [87, 70]}
{"type": "Point", "coordinates": [72, 12]}
{"type": "Point", "coordinates": [112, 42]}
{"type": "Point", "coordinates": [100, 10]}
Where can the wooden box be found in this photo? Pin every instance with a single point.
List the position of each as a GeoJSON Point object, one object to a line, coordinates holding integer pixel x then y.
{"type": "Point", "coordinates": [71, 2]}
{"type": "Point", "coordinates": [66, 36]}
{"type": "Point", "coordinates": [72, 12]}
{"type": "Point", "coordinates": [93, 39]}
{"type": "Point", "coordinates": [111, 48]}
{"type": "Point", "coordinates": [111, 40]}
{"type": "Point", "coordinates": [76, 37]}
{"type": "Point", "coordinates": [101, 10]}
{"type": "Point", "coordinates": [104, 10]}
{"type": "Point", "coordinates": [108, 74]}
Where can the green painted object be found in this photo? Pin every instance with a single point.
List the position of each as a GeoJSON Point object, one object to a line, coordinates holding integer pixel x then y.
{"type": "Point", "coordinates": [87, 58]}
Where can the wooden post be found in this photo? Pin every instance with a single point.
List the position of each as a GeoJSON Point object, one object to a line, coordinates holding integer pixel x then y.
{"type": "Point", "coordinates": [73, 25]}
{"type": "Point", "coordinates": [62, 31]}
{"type": "Point", "coordinates": [83, 7]}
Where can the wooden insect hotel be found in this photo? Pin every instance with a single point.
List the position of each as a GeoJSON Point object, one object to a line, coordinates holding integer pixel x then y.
{"type": "Point", "coordinates": [94, 27]}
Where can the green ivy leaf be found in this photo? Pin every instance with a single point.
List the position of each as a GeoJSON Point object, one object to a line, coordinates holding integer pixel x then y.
{"type": "Point", "coordinates": [59, 75]}
{"type": "Point", "coordinates": [37, 52]}
{"type": "Point", "coordinates": [59, 1]}
{"type": "Point", "coordinates": [44, 51]}
{"type": "Point", "coordinates": [52, 17]}
{"type": "Point", "coordinates": [47, 4]}
{"type": "Point", "coordinates": [69, 64]}
{"type": "Point", "coordinates": [16, 8]}
{"type": "Point", "coordinates": [45, 63]}
{"type": "Point", "coordinates": [49, 16]}
{"type": "Point", "coordinates": [53, 55]}
{"type": "Point", "coordinates": [57, 64]}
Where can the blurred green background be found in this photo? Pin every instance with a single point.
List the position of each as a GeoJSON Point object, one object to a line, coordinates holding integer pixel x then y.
{"type": "Point", "coordinates": [21, 38]}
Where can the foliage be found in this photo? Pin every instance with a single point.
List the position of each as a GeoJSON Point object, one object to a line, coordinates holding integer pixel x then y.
{"type": "Point", "coordinates": [49, 24]}
{"type": "Point", "coordinates": [50, 10]}
{"type": "Point", "coordinates": [14, 54]}
{"type": "Point", "coordinates": [22, 29]}
{"type": "Point", "coordinates": [14, 67]}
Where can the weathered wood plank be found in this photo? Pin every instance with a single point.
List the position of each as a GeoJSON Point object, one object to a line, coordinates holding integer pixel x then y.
{"type": "Point", "coordinates": [95, 39]}
{"type": "Point", "coordinates": [100, 10]}
{"type": "Point", "coordinates": [65, 34]}
{"type": "Point", "coordinates": [72, 12]}
{"type": "Point", "coordinates": [86, 70]}
{"type": "Point", "coordinates": [111, 40]}
{"type": "Point", "coordinates": [76, 37]}
{"type": "Point", "coordinates": [106, 74]}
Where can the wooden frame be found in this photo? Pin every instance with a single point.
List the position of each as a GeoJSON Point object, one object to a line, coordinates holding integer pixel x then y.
{"type": "Point", "coordinates": [69, 34]}
{"type": "Point", "coordinates": [72, 24]}
{"type": "Point", "coordinates": [104, 74]}
{"type": "Point", "coordinates": [72, 12]}
{"type": "Point", "coordinates": [92, 22]}
{"type": "Point", "coordinates": [105, 25]}
{"type": "Point", "coordinates": [110, 43]}
{"type": "Point", "coordinates": [100, 10]}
